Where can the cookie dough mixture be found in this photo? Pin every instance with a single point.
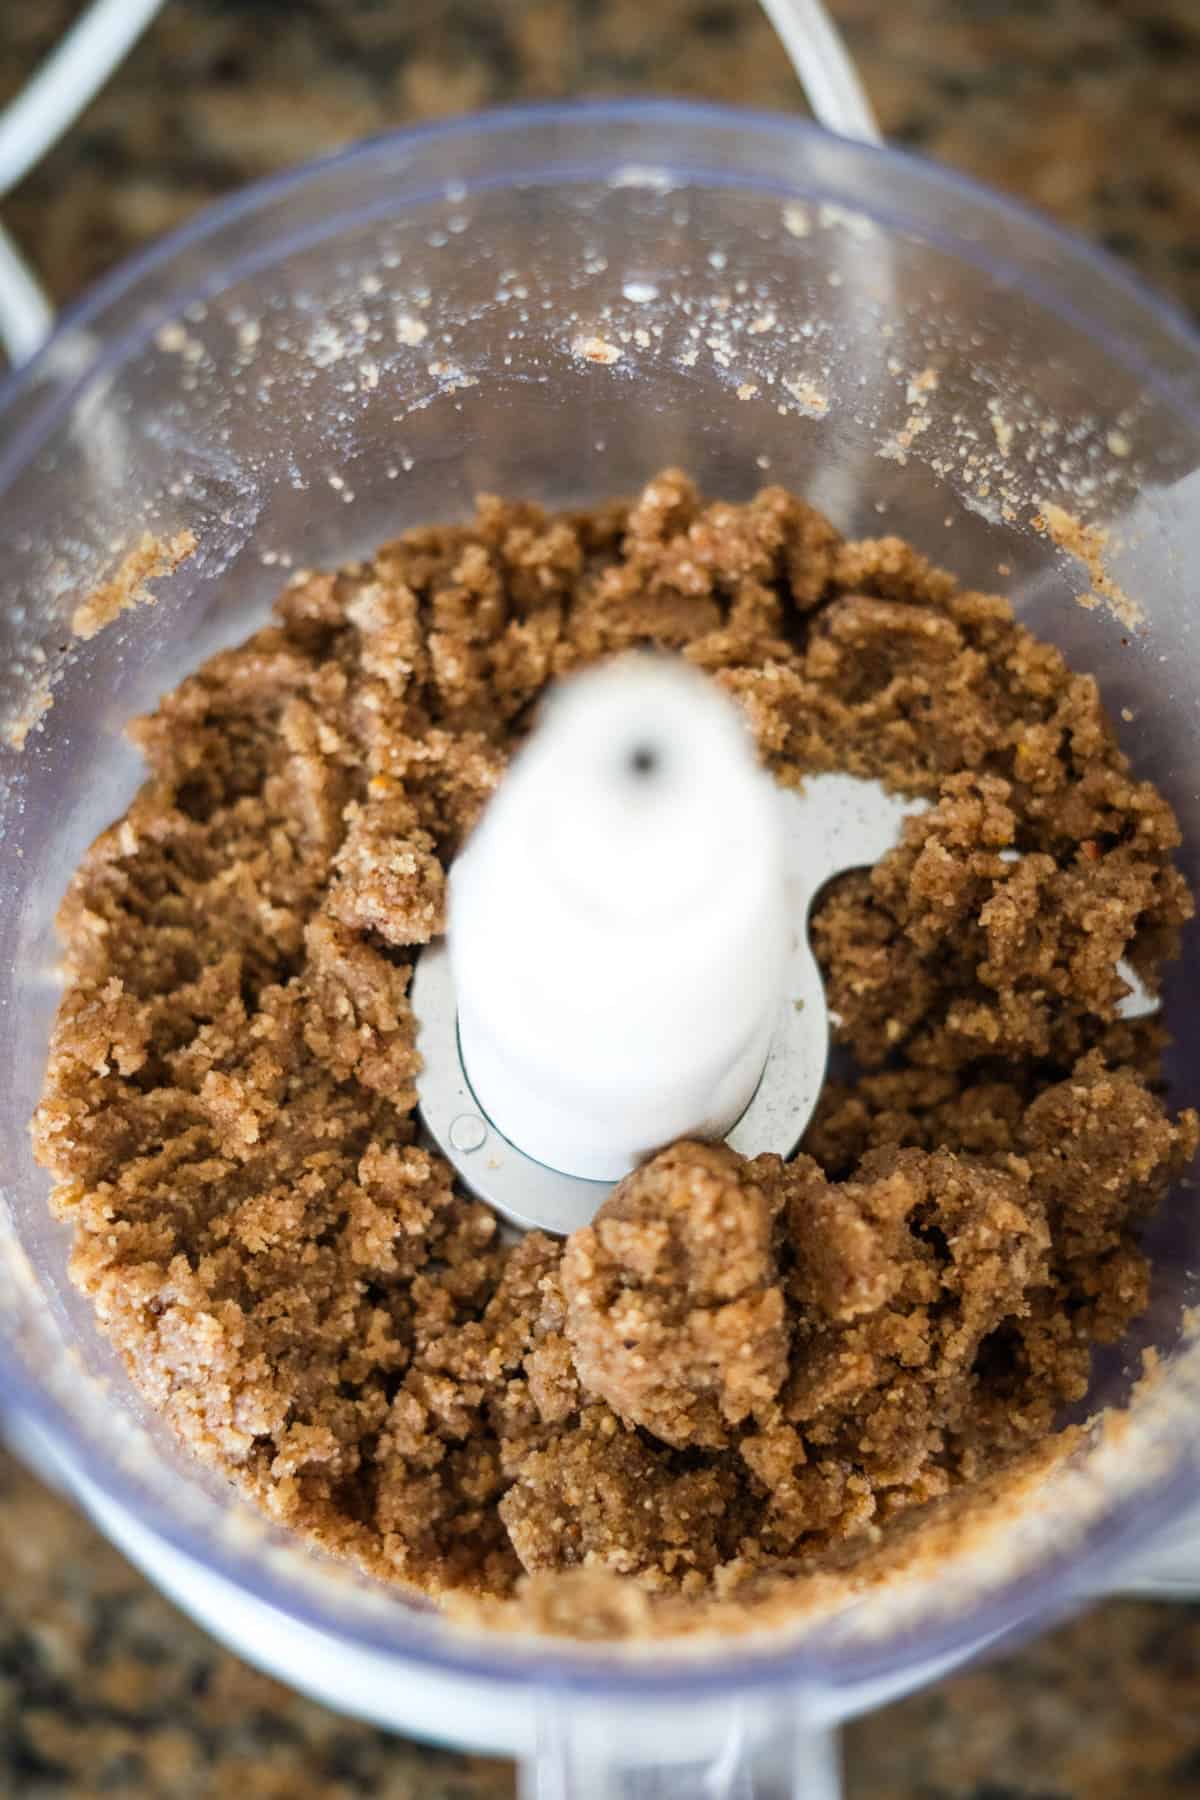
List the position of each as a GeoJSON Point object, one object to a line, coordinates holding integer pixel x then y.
{"type": "Point", "coordinates": [740, 1369]}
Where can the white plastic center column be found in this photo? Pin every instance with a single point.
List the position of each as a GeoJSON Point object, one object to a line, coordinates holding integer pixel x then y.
{"type": "Point", "coordinates": [617, 923]}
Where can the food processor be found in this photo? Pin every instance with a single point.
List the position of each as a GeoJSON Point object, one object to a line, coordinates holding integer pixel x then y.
{"type": "Point", "coordinates": [555, 302]}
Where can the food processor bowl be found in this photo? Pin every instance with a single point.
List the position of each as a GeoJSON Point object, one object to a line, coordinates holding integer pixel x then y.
{"type": "Point", "coordinates": [557, 302]}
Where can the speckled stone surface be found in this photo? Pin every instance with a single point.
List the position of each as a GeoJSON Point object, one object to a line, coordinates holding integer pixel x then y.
{"type": "Point", "coordinates": [1090, 109]}
{"type": "Point", "coordinates": [106, 1690]}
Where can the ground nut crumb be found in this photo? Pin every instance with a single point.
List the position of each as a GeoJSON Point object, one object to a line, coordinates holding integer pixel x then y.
{"type": "Point", "coordinates": [743, 1383]}
{"type": "Point", "coordinates": [675, 1314]}
{"type": "Point", "coordinates": [149, 560]}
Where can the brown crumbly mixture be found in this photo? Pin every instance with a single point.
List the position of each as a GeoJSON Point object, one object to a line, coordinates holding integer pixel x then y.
{"type": "Point", "coordinates": [738, 1372]}
{"type": "Point", "coordinates": [149, 560]}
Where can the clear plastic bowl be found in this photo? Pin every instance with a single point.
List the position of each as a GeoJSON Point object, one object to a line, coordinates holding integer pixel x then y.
{"type": "Point", "coordinates": [556, 302]}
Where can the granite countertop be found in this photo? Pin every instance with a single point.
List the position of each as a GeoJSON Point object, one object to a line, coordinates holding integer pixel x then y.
{"type": "Point", "coordinates": [1090, 109]}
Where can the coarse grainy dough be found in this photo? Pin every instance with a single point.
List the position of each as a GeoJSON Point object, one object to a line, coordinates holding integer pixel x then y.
{"type": "Point", "coordinates": [738, 1370]}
